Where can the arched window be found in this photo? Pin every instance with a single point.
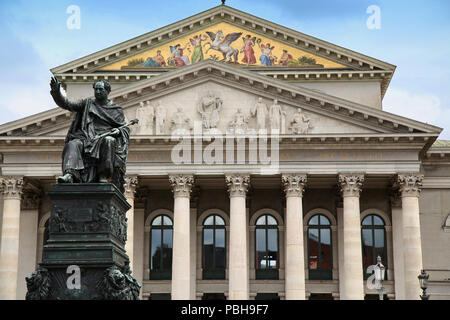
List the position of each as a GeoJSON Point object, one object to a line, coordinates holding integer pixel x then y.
{"type": "Point", "coordinates": [267, 254]}
{"type": "Point", "coordinates": [320, 261]}
{"type": "Point", "coordinates": [214, 249]}
{"type": "Point", "coordinates": [373, 242]}
{"type": "Point", "coordinates": [161, 235]}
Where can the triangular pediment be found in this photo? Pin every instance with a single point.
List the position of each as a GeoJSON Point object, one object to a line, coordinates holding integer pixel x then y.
{"type": "Point", "coordinates": [306, 51]}
{"type": "Point", "coordinates": [237, 88]}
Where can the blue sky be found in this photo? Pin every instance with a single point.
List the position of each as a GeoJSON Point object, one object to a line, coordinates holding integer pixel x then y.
{"type": "Point", "coordinates": [414, 36]}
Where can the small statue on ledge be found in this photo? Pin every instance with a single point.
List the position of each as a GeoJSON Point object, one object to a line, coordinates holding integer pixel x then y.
{"type": "Point", "coordinates": [96, 146]}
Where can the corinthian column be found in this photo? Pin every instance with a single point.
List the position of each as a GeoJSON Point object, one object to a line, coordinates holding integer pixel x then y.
{"type": "Point", "coordinates": [295, 263]}
{"type": "Point", "coordinates": [9, 248]}
{"type": "Point", "coordinates": [353, 286]}
{"type": "Point", "coordinates": [181, 259]}
{"type": "Point", "coordinates": [131, 183]}
{"type": "Point", "coordinates": [412, 246]}
{"type": "Point", "coordinates": [238, 265]}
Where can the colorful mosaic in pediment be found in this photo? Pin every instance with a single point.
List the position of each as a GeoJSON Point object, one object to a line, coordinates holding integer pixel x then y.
{"type": "Point", "coordinates": [224, 42]}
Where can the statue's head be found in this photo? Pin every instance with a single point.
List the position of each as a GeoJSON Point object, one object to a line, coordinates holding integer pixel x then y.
{"type": "Point", "coordinates": [101, 89]}
{"type": "Point", "coordinates": [259, 99]}
{"type": "Point", "coordinates": [275, 101]}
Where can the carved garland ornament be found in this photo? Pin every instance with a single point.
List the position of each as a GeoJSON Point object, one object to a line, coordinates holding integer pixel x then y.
{"type": "Point", "coordinates": [294, 184]}
{"type": "Point", "coordinates": [237, 185]}
{"type": "Point", "coordinates": [351, 185]}
{"type": "Point", "coordinates": [181, 185]}
{"type": "Point", "coordinates": [11, 187]}
{"type": "Point", "coordinates": [410, 184]}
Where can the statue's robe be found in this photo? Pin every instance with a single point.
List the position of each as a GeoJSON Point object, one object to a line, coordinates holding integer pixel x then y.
{"type": "Point", "coordinates": [92, 120]}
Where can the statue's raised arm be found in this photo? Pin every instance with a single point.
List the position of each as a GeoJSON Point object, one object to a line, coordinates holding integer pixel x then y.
{"type": "Point", "coordinates": [60, 100]}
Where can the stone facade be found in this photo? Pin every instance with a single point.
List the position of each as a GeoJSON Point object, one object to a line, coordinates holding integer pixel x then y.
{"type": "Point", "coordinates": [343, 158]}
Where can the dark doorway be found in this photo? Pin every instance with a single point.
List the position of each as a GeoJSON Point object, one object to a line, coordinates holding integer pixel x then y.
{"type": "Point", "coordinates": [213, 296]}
{"type": "Point", "coordinates": [321, 296]}
{"type": "Point", "coordinates": [267, 296]}
{"type": "Point", "coordinates": [160, 296]}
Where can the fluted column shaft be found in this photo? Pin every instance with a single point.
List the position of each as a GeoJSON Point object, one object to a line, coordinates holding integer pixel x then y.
{"type": "Point", "coordinates": [295, 261]}
{"type": "Point", "coordinates": [131, 183]}
{"type": "Point", "coordinates": [181, 257]}
{"type": "Point", "coordinates": [238, 265]}
{"type": "Point", "coordinates": [353, 283]}
{"type": "Point", "coordinates": [9, 248]}
{"type": "Point", "coordinates": [412, 246]}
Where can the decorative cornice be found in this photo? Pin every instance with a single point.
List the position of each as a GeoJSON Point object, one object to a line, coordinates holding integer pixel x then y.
{"type": "Point", "coordinates": [237, 184]}
{"type": "Point", "coordinates": [351, 184]}
{"type": "Point", "coordinates": [181, 185]}
{"type": "Point", "coordinates": [294, 184]}
{"type": "Point", "coordinates": [410, 184]}
{"type": "Point", "coordinates": [131, 182]}
{"type": "Point", "coordinates": [12, 187]}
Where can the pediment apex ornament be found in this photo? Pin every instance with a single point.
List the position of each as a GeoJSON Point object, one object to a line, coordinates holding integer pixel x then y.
{"type": "Point", "coordinates": [351, 184]}
{"type": "Point", "coordinates": [181, 185]}
{"type": "Point", "coordinates": [237, 184]}
{"type": "Point", "coordinates": [410, 184]}
{"type": "Point", "coordinates": [294, 184]}
{"type": "Point", "coordinates": [11, 187]}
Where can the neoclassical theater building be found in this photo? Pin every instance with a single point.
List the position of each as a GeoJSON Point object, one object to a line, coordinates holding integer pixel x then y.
{"type": "Point", "coordinates": [225, 211]}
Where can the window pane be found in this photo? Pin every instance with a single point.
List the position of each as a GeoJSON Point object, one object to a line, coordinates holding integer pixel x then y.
{"type": "Point", "coordinates": [325, 248]}
{"type": "Point", "coordinates": [155, 260]}
{"type": "Point", "coordinates": [219, 221]}
{"type": "Point", "coordinates": [367, 221]}
{"type": "Point", "coordinates": [208, 248]}
{"type": "Point", "coordinates": [261, 220]}
{"type": "Point", "coordinates": [367, 248]}
{"type": "Point", "coordinates": [157, 221]}
{"type": "Point", "coordinates": [314, 220]}
{"type": "Point", "coordinates": [209, 221]}
{"type": "Point", "coordinates": [260, 248]}
{"type": "Point", "coordinates": [379, 238]}
{"type": "Point", "coordinates": [313, 248]}
{"type": "Point", "coordinates": [167, 249]}
{"type": "Point", "coordinates": [272, 242]}
{"type": "Point", "coordinates": [271, 221]}
{"type": "Point", "coordinates": [167, 221]}
{"type": "Point", "coordinates": [220, 248]}
{"type": "Point", "coordinates": [378, 221]}
{"type": "Point", "coordinates": [324, 221]}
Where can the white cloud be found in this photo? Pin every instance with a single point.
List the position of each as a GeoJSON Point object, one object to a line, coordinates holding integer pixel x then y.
{"type": "Point", "coordinates": [424, 107]}
{"type": "Point", "coordinates": [421, 107]}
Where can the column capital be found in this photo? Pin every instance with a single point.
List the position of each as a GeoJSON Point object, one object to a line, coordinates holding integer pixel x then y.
{"type": "Point", "coordinates": [409, 184]}
{"type": "Point", "coordinates": [237, 184]}
{"type": "Point", "coordinates": [11, 187]}
{"type": "Point", "coordinates": [131, 182]}
{"type": "Point", "coordinates": [181, 184]}
{"type": "Point", "coordinates": [30, 200]}
{"type": "Point", "coordinates": [351, 184]}
{"type": "Point", "coordinates": [294, 184]}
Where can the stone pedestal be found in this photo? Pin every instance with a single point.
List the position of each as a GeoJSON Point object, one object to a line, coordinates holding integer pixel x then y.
{"type": "Point", "coordinates": [85, 257]}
